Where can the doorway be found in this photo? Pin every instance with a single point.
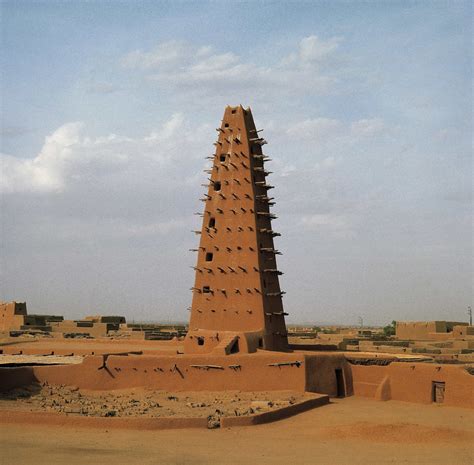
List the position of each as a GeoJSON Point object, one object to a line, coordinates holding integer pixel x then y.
{"type": "Point", "coordinates": [340, 385]}
{"type": "Point", "coordinates": [438, 391]}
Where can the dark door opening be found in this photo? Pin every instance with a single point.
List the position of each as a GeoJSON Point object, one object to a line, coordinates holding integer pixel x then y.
{"type": "Point", "coordinates": [235, 347]}
{"type": "Point", "coordinates": [438, 391]}
{"type": "Point", "coordinates": [341, 388]}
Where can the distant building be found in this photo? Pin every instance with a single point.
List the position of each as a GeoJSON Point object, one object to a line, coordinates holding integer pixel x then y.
{"type": "Point", "coordinates": [14, 318]}
{"type": "Point", "coordinates": [12, 315]}
{"type": "Point", "coordinates": [420, 330]}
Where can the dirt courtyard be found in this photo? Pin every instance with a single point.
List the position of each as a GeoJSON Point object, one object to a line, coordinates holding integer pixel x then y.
{"type": "Point", "coordinates": [140, 403]}
{"type": "Point", "coordinates": [348, 431]}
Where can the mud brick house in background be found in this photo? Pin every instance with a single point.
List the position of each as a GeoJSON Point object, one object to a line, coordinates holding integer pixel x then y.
{"type": "Point", "coordinates": [237, 301]}
{"type": "Point", "coordinates": [15, 320]}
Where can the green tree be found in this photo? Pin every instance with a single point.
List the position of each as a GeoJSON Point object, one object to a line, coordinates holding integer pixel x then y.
{"type": "Point", "coordinates": [389, 330]}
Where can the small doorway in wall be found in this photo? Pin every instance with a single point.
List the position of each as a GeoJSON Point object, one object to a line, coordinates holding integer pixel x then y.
{"type": "Point", "coordinates": [438, 391]}
{"type": "Point", "coordinates": [234, 348]}
{"type": "Point", "coordinates": [340, 385]}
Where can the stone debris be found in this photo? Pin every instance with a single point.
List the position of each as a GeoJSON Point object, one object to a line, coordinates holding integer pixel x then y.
{"type": "Point", "coordinates": [196, 404]}
{"type": "Point", "coordinates": [70, 400]}
{"type": "Point", "coordinates": [214, 420]}
{"type": "Point", "coordinates": [261, 404]}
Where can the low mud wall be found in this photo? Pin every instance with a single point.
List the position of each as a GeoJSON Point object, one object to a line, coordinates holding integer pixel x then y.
{"type": "Point", "coordinates": [177, 373]}
{"type": "Point", "coordinates": [321, 373]}
{"type": "Point", "coordinates": [46, 418]}
{"type": "Point", "coordinates": [77, 421]}
{"type": "Point", "coordinates": [250, 372]}
{"type": "Point", "coordinates": [413, 382]}
{"type": "Point", "coordinates": [280, 414]}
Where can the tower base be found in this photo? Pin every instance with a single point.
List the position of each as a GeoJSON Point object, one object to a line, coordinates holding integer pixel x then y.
{"type": "Point", "coordinates": [202, 341]}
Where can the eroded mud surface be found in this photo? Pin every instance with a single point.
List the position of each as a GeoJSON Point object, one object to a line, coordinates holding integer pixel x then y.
{"type": "Point", "coordinates": [134, 402]}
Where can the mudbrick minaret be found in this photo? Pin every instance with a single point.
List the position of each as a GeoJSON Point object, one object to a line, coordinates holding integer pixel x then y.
{"type": "Point", "coordinates": [237, 302]}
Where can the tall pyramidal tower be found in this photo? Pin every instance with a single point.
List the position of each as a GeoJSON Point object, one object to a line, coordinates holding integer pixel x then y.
{"type": "Point", "coordinates": [237, 302]}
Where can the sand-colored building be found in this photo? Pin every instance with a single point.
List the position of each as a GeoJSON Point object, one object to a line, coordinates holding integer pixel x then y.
{"type": "Point", "coordinates": [429, 330]}
{"type": "Point", "coordinates": [14, 318]}
{"type": "Point", "coordinates": [92, 326]}
{"type": "Point", "coordinates": [12, 315]}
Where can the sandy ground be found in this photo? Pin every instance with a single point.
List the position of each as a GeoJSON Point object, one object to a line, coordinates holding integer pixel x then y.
{"type": "Point", "coordinates": [349, 431]}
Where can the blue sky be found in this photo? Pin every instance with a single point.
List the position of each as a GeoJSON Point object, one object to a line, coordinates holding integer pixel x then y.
{"type": "Point", "coordinates": [109, 108]}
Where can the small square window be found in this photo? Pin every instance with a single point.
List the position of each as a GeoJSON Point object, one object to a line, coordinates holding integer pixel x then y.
{"type": "Point", "coordinates": [222, 157]}
{"type": "Point", "coordinates": [212, 222]}
{"type": "Point", "coordinates": [217, 185]}
{"type": "Point", "coordinates": [234, 111]}
{"type": "Point", "coordinates": [226, 125]}
{"type": "Point", "coordinates": [209, 256]}
{"type": "Point", "coordinates": [206, 289]}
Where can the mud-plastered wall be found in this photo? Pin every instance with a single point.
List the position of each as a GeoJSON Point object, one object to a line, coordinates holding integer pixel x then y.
{"type": "Point", "coordinates": [236, 285]}
{"type": "Point", "coordinates": [415, 382]}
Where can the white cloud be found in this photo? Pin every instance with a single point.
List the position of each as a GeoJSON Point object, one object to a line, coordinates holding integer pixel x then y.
{"type": "Point", "coordinates": [165, 54]}
{"type": "Point", "coordinates": [313, 50]}
{"type": "Point", "coordinates": [334, 139]}
{"type": "Point", "coordinates": [315, 129]}
{"type": "Point", "coordinates": [46, 172]}
{"type": "Point", "coordinates": [201, 68]}
{"type": "Point", "coordinates": [334, 224]}
{"type": "Point", "coordinates": [69, 157]}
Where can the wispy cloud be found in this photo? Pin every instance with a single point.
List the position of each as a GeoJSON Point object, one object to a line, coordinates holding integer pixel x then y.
{"type": "Point", "coordinates": [317, 129]}
{"type": "Point", "coordinates": [335, 224]}
{"type": "Point", "coordinates": [367, 127]}
{"type": "Point", "coordinates": [185, 65]}
{"type": "Point", "coordinates": [313, 50]}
